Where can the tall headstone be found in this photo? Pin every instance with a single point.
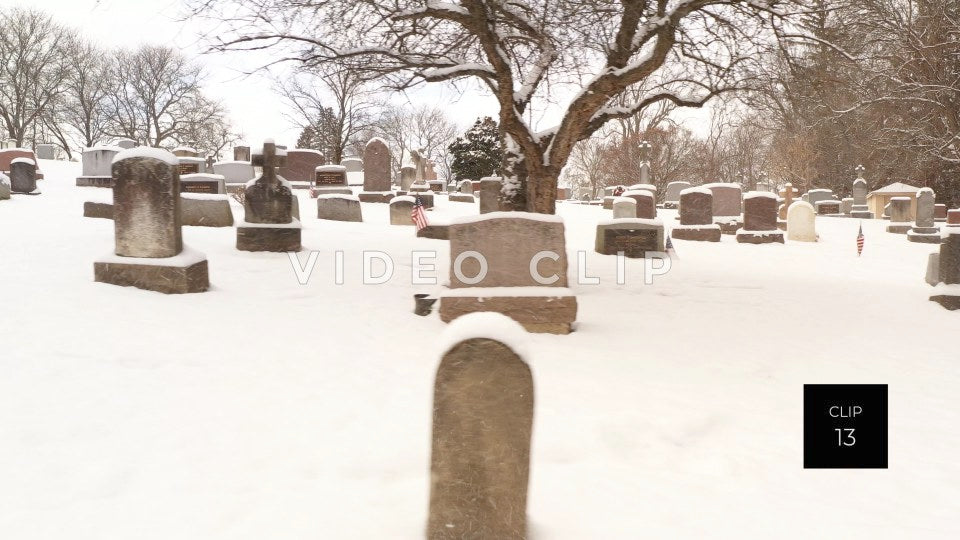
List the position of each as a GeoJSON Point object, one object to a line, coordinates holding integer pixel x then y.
{"type": "Point", "coordinates": [860, 208]}
{"type": "Point", "coordinates": [376, 172]}
{"type": "Point", "coordinates": [671, 196]}
{"type": "Point", "coordinates": [269, 223]}
{"type": "Point", "coordinates": [899, 215]}
{"type": "Point", "coordinates": [482, 424]}
{"type": "Point", "coordinates": [490, 194]}
{"type": "Point", "coordinates": [534, 259]}
{"type": "Point", "coordinates": [696, 216]}
{"type": "Point", "coordinates": [149, 252]}
{"type": "Point", "coordinates": [759, 219]}
{"type": "Point", "coordinates": [4, 187]}
{"type": "Point", "coordinates": [241, 153]}
{"type": "Point", "coordinates": [801, 222]}
{"type": "Point", "coordinates": [645, 150]}
{"type": "Point", "coordinates": [924, 229]}
{"type": "Point", "coordinates": [23, 176]}
{"type": "Point", "coordinates": [408, 176]}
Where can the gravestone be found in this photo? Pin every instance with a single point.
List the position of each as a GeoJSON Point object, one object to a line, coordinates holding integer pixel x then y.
{"type": "Point", "coordinates": [461, 197]}
{"type": "Point", "coordinates": [636, 238]}
{"type": "Point", "coordinates": [827, 207]}
{"type": "Point", "coordinates": [408, 176]}
{"type": "Point", "coordinates": [490, 194]}
{"type": "Point", "coordinates": [899, 215]}
{"type": "Point", "coordinates": [607, 201]}
{"type": "Point", "coordinates": [302, 164]}
{"type": "Point", "coordinates": [671, 197]}
{"type": "Point", "coordinates": [696, 216]}
{"type": "Point", "coordinates": [645, 149]}
{"type": "Point", "coordinates": [205, 210]}
{"type": "Point", "coordinates": [789, 193]}
{"type": "Point", "coordinates": [7, 156]}
{"type": "Point", "coordinates": [801, 222]}
{"type": "Point", "coordinates": [337, 207]}
{"type": "Point", "coordinates": [482, 425]}
{"type": "Point", "coordinates": [241, 153]}
{"type": "Point", "coordinates": [4, 187]}
{"type": "Point", "coordinates": [401, 209]}
{"type": "Point", "coordinates": [646, 203]}
{"type": "Point", "coordinates": [269, 223]}
{"type": "Point", "coordinates": [234, 172]}
{"type": "Point", "coordinates": [202, 183]}
{"type": "Point", "coordinates": [759, 219]}
{"type": "Point", "coordinates": [185, 151]}
{"type": "Point", "coordinates": [126, 143]}
{"type": "Point", "coordinates": [330, 180]}
{"type": "Point", "coordinates": [352, 164]}
{"type": "Point", "coordinates": [23, 176]}
{"type": "Point", "coordinates": [860, 208]}
{"type": "Point", "coordinates": [953, 218]}
{"type": "Point", "coordinates": [149, 252]}
{"type": "Point", "coordinates": [376, 172]}
{"type": "Point", "coordinates": [46, 151]}
{"type": "Point", "coordinates": [624, 208]}
{"type": "Point", "coordinates": [465, 186]}
{"type": "Point", "coordinates": [846, 205]}
{"type": "Point", "coordinates": [190, 164]}
{"type": "Point", "coordinates": [816, 195]}
{"type": "Point", "coordinates": [727, 206]}
{"type": "Point", "coordinates": [948, 273]}
{"type": "Point", "coordinates": [436, 186]}
{"type": "Point", "coordinates": [924, 229]}
{"type": "Point", "coordinates": [543, 305]}
{"type": "Point", "coordinates": [939, 212]}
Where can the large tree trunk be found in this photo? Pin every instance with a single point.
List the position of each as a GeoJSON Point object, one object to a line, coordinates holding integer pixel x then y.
{"type": "Point", "coordinates": [542, 193]}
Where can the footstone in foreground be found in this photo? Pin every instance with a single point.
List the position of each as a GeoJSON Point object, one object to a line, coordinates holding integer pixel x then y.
{"type": "Point", "coordinates": [149, 252]}
{"type": "Point", "coordinates": [482, 424]}
{"type": "Point", "coordinates": [635, 238]}
{"type": "Point", "coordinates": [339, 207]}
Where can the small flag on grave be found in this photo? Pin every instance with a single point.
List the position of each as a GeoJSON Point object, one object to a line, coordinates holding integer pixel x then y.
{"type": "Point", "coordinates": [670, 251]}
{"type": "Point", "coordinates": [860, 240]}
{"type": "Point", "coordinates": [418, 216]}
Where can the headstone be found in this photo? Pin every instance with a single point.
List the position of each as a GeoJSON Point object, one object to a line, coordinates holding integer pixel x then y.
{"type": "Point", "coordinates": [816, 195]}
{"type": "Point", "coordinates": [4, 187]}
{"type": "Point", "coordinates": [208, 165]}
{"type": "Point", "coordinates": [462, 197]}
{"type": "Point", "coordinates": [401, 209]}
{"type": "Point", "coordinates": [860, 208]}
{"type": "Point", "coordinates": [46, 151]}
{"type": "Point", "coordinates": [191, 164]}
{"type": "Point", "coordinates": [646, 203]}
{"type": "Point", "coordinates": [789, 193]}
{"type": "Point", "coordinates": [727, 206]}
{"type": "Point", "coordinates": [607, 201]}
{"type": "Point", "coordinates": [949, 270]}
{"type": "Point", "coordinates": [490, 194]}
{"type": "Point", "coordinates": [846, 205]}
{"type": "Point", "coordinates": [429, 173]}
{"type": "Point", "coordinates": [185, 151]}
{"type": "Point", "coordinates": [149, 252]}
{"type": "Point", "coordinates": [330, 176]}
{"type": "Point", "coordinates": [126, 143]}
{"type": "Point", "coordinates": [624, 208]}
{"type": "Point", "coordinates": [534, 259]}
{"type": "Point", "coordinates": [759, 219]}
{"type": "Point", "coordinates": [339, 208]}
{"type": "Point", "coordinates": [827, 207]}
{"type": "Point", "coordinates": [269, 223]}
{"type": "Point", "coordinates": [23, 176]}
{"type": "Point", "coordinates": [635, 238]}
{"type": "Point", "coordinates": [899, 215]}
{"type": "Point", "coordinates": [953, 218]}
{"type": "Point", "coordinates": [939, 212]}
{"type": "Point", "coordinates": [671, 197]}
{"type": "Point", "coordinates": [235, 172]}
{"type": "Point", "coordinates": [801, 222]}
{"type": "Point", "coordinates": [376, 166]}
{"type": "Point", "coordinates": [7, 156]}
{"type": "Point", "coordinates": [696, 216]}
{"type": "Point", "coordinates": [645, 149]}
{"type": "Point", "coordinates": [924, 229]}
{"type": "Point", "coordinates": [241, 153]}
{"type": "Point", "coordinates": [465, 186]}
{"type": "Point", "coordinates": [205, 210]}
{"type": "Point", "coordinates": [302, 165]}
{"type": "Point", "coordinates": [352, 164]}
{"type": "Point", "coordinates": [408, 176]}
{"type": "Point", "coordinates": [202, 183]}
{"type": "Point", "coordinates": [482, 424]}
{"type": "Point", "coordinates": [436, 186]}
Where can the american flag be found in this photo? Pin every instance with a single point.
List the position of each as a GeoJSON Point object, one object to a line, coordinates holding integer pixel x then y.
{"type": "Point", "coordinates": [418, 216]}
{"type": "Point", "coordinates": [670, 251]}
{"type": "Point", "coordinates": [860, 240]}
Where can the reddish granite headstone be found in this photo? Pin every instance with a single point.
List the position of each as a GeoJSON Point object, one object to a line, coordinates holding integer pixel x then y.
{"type": "Point", "coordinates": [760, 213]}
{"type": "Point", "coordinates": [696, 208]}
{"type": "Point", "coordinates": [301, 165]}
{"type": "Point", "coordinates": [376, 166]}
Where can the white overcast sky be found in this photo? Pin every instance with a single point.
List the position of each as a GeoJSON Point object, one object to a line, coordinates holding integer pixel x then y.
{"type": "Point", "coordinates": [256, 110]}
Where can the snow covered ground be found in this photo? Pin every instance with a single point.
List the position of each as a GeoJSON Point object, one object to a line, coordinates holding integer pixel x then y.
{"type": "Point", "coordinates": [270, 409]}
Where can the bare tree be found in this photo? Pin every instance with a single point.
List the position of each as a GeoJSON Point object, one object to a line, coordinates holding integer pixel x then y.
{"type": "Point", "coordinates": [204, 125]}
{"type": "Point", "coordinates": [408, 128]}
{"type": "Point", "coordinates": [32, 68]}
{"type": "Point", "coordinates": [518, 49]}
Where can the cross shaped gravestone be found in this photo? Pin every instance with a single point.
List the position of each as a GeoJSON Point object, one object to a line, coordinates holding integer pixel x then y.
{"type": "Point", "coordinates": [268, 207]}
{"type": "Point", "coordinates": [860, 170]}
{"type": "Point", "coordinates": [270, 161]}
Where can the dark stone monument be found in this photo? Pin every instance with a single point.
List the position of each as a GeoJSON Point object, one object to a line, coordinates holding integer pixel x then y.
{"type": "Point", "coordinates": [302, 164]}
{"type": "Point", "coordinates": [23, 176]}
{"type": "Point", "coordinates": [149, 251]}
{"type": "Point", "coordinates": [269, 224]}
{"type": "Point", "coordinates": [202, 183]}
{"type": "Point", "coordinates": [949, 269]}
{"type": "Point", "coordinates": [827, 207]}
{"type": "Point", "coordinates": [376, 172]}
{"type": "Point", "coordinates": [241, 153]}
{"type": "Point", "coordinates": [646, 203]}
{"type": "Point", "coordinates": [634, 237]}
{"type": "Point", "coordinates": [696, 217]}
{"type": "Point", "coordinates": [480, 457]}
{"type": "Point", "coordinates": [490, 194]}
{"type": "Point", "coordinates": [760, 219]}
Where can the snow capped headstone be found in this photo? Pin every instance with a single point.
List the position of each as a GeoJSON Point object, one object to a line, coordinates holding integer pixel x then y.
{"type": "Point", "coordinates": [408, 176]}
{"type": "Point", "coordinates": [9, 155]}
{"type": "Point", "coordinates": [186, 151]}
{"type": "Point", "coordinates": [494, 253]}
{"type": "Point", "coordinates": [401, 209]}
{"type": "Point", "coordinates": [46, 151]}
{"type": "Point", "coordinates": [376, 166]}
{"type": "Point", "coordinates": [4, 187]}
{"type": "Point", "coordinates": [727, 206]}
{"type": "Point", "coordinates": [646, 203]}
{"type": "Point", "coordinates": [759, 219]}
{"type": "Point", "coordinates": [696, 216]}
{"type": "Point", "coordinates": [465, 186]}
{"type": "Point", "coordinates": [789, 193]}
{"type": "Point", "coordinates": [301, 165]}
{"type": "Point", "coordinates": [23, 176]}
{"type": "Point", "coordinates": [899, 215]}
{"type": "Point", "coordinates": [846, 205]}
{"type": "Point", "coordinates": [816, 195]}
{"type": "Point", "coordinates": [191, 164]}
{"type": "Point", "coordinates": [924, 229]}
{"type": "Point", "coordinates": [338, 207]}
{"type": "Point", "coordinates": [352, 164]}
{"type": "Point", "coordinates": [801, 222]}
{"type": "Point", "coordinates": [490, 194]}
{"type": "Point", "coordinates": [949, 270]}
{"type": "Point", "coordinates": [126, 143]}
{"type": "Point", "coordinates": [671, 197]}
{"type": "Point", "coordinates": [202, 183]}
{"type": "Point", "coordinates": [234, 172]}
{"type": "Point", "coordinates": [860, 208]}
{"type": "Point", "coordinates": [635, 238]}
{"type": "Point", "coordinates": [624, 207]}
{"type": "Point", "coordinates": [828, 207]}
{"type": "Point", "coordinates": [149, 251]}
{"type": "Point", "coordinates": [953, 218]}
{"type": "Point", "coordinates": [482, 425]}
{"type": "Point", "coordinates": [269, 223]}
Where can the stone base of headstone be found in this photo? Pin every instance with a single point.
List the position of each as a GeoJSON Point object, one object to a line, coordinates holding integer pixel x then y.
{"type": "Point", "coordinates": [95, 181]}
{"type": "Point", "coordinates": [339, 208]}
{"type": "Point", "coordinates": [34, 192]}
{"type": "Point", "coordinates": [419, 188]}
{"type": "Point", "coordinates": [899, 228]}
{"type": "Point", "coordinates": [205, 210]}
{"type": "Point", "coordinates": [924, 235]}
{"type": "Point", "coordinates": [376, 196]}
{"type": "Point", "coordinates": [318, 191]}
{"type": "Point", "coordinates": [462, 197]}
{"type": "Point", "coordinates": [269, 236]}
{"type": "Point", "coordinates": [782, 224]}
{"type": "Point", "coordinates": [948, 301]}
{"type": "Point", "coordinates": [760, 237]}
{"type": "Point", "coordinates": [698, 233]}
{"type": "Point", "coordinates": [634, 237]}
{"type": "Point", "coordinates": [552, 311]}
{"type": "Point", "coordinates": [97, 210]}
{"type": "Point", "coordinates": [436, 232]}
{"type": "Point", "coordinates": [185, 273]}
{"type": "Point", "coordinates": [933, 269]}
{"type": "Point", "coordinates": [728, 225]}
{"type": "Point", "coordinates": [671, 205]}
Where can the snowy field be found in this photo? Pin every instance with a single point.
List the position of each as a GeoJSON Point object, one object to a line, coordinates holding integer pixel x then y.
{"type": "Point", "coordinates": [270, 409]}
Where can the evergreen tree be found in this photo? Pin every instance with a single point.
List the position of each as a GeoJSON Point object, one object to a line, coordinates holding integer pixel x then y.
{"type": "Point", "coordinates": [478, 153]}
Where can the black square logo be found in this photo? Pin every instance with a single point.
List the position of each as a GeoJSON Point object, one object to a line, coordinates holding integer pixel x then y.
{"type": "Point", "coordinates": [844, 426]}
